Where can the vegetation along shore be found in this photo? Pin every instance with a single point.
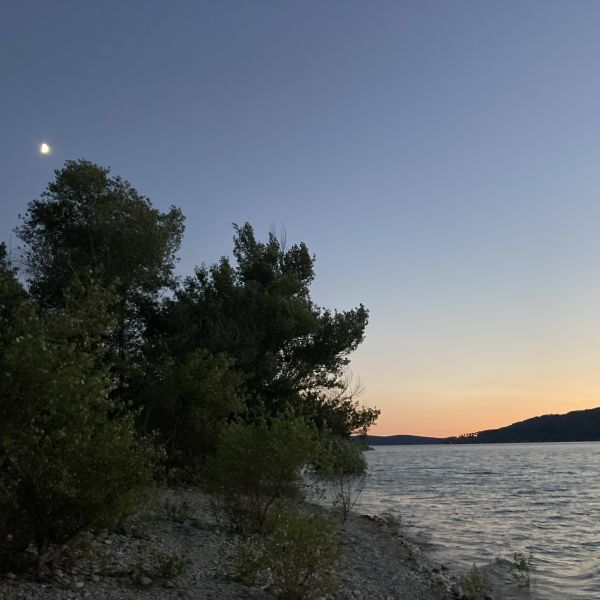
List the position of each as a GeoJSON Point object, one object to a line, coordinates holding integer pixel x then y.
{"type": "Point", "coordinates": [120, 379]}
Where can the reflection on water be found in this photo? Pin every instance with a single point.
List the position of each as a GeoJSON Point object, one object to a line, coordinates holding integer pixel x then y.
{"type": "Point", "coordinates": [483, 502]}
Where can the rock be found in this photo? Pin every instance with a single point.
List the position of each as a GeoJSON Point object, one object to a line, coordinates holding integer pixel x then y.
{"type": "Point", "coordinates": [10, 575]}
{"type": "Point", "coordinates": [145, 581]}
{"type": "Point", "coordinates": [95, 578]}
{"type": "Point", "coordinates": [78, 585]}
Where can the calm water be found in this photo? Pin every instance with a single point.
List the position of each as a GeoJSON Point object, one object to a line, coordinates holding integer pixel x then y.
{"type": "Point", "coordinates": [484, 502]}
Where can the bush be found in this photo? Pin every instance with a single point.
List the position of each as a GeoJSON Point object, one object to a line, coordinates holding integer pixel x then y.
{"type": "Point", "coordinates": [165, 565]}
{"type": "Point", "coordinates": [391, 521]}
{"type": "Point", "coordinates": [342, 464]}
{"type": "Point", "coordinates": [69, 458]}
{"type": "Point", "coordinates": [296, 559]}
{"type": "Point", "coordinates": [475, 585]}
{"type": "Point", "coordinates": [189, 403]}
{"type": "Point", "coordinates": [255, 464]}
{"type": "Point", "coordinates": [522, 568]}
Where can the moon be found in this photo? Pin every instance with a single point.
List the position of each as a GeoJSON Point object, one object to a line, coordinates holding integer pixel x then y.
{"type": "Point", "coordinates": [45, 148]}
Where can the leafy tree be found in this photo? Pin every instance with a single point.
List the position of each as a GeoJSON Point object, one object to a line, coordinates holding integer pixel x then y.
{"type": "Point", "coordinates": [259, 311]}
{"type": "Point", "coordinates": [89, 223]}
{"type": "Point", "coordinates": [12, 294]}
{"type": "Point", "coordinates": [189, 403]}
{"type": "Point", "coordinates": [337, 408]}
{"type": "Point", "coordinates": [69, 459]}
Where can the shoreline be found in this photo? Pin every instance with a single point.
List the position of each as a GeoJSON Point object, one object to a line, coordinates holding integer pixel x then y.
{"type": "Point", "coordinates": [140, 558]}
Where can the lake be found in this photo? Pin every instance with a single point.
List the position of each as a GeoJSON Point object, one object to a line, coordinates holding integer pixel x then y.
{"type": "Point", "coordinates": [481, 503]}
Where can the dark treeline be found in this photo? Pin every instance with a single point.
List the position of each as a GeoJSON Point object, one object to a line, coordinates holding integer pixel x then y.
{"type": "Point", "coordinates": [115, 374]}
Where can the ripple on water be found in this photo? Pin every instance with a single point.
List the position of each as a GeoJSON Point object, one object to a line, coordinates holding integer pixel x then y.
{"type": "Point", "coordinates": [482, 503]}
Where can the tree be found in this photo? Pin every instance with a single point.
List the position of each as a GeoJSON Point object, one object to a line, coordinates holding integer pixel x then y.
{"type": "Point", "coordinates": [69, 459]}
{"type": "Point", "coordinates": [12, 294]}
{"type": "Point", "coordinates": [259, 311]}
{"type": "Point", "coordinates": [87, 223]}
{"type": "Point", "coordinates": [189, 403]}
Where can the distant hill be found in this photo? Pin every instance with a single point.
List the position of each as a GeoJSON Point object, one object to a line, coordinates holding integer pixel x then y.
{"type": "Point", "coordinates": [576, 426]}
{"type": "Point", "coordinates": [401, 440]}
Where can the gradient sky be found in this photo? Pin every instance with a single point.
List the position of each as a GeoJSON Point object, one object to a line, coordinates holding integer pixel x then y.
{"type": "Point", "coordinates": [441, 159]}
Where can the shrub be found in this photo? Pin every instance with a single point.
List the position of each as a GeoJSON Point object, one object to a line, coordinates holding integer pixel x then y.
{"type": "Point", "coordinates": [69, 458]}
{"type": "Point", "coordinates": [189, 403]}
{"type": "Point", "coordinates": [165, 565]}
{"type": "Point", "coordinates": [342, 464]}
{"type": "Point", "coordinates": [522, 568]}
{"type": "Point", "coordinates": [296, 559]}
{"type": "Point", "coordinates": [392, 521]}
{"type": "Point", "coordinates": [255, 464]}
{"type": "Point", "coordinates": [475, 585]}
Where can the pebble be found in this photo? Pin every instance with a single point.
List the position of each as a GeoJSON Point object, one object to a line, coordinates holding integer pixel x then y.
{"type": "Point", "coordinates": [374, 565]}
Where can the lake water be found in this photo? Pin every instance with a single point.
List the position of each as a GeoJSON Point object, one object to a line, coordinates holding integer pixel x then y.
{"type": "Point", "coordinates": [481, 503]}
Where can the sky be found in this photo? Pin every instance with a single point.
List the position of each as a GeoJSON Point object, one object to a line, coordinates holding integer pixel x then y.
{"type": "Point", "coordinates": [441, 160]}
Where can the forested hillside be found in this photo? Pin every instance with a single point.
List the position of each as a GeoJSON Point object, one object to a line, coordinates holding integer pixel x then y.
{"type": "Point", "coordinates": [576, 426]}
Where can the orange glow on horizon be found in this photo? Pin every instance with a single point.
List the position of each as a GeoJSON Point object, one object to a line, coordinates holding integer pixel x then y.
{"type": "Point", "coordinates": [442, 419]}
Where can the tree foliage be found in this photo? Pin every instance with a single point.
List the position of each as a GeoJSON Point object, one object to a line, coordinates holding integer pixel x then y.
{"type": "Point", "coordinates": [240, 374]}
{"type": "Point", "coordinates": [68, 459]}
{"type": "Point", "coordinates": [86, 221]}
{"type": "Point", "coordinates": [289, 351]}
{"type": "Point", "coordinates": [89, 224]}
{"type": "Point", "coordinates": [189, 403]}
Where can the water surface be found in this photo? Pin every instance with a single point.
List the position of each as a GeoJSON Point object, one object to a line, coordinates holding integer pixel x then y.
{"type": "Point", "coordinates": [478, 503]}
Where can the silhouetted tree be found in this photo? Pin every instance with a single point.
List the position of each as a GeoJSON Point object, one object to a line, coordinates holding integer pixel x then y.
{"type": "Point", "coordinates": [290, 352]}
{"type": "Point", "coordinates": [89, 224]}
{"type": "Point", "coordinates": [69, 459]}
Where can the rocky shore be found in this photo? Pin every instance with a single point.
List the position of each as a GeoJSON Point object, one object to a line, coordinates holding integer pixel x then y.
{"type": "Point", "coordinates": [177, 549]}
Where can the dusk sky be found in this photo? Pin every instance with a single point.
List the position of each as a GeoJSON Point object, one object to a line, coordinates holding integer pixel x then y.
{"type": "Point", "coordinates": [441, 159]}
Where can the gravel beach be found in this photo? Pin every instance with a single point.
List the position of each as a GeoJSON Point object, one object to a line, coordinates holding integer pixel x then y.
{"type": "Point", "coordinates": [180, 531]}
